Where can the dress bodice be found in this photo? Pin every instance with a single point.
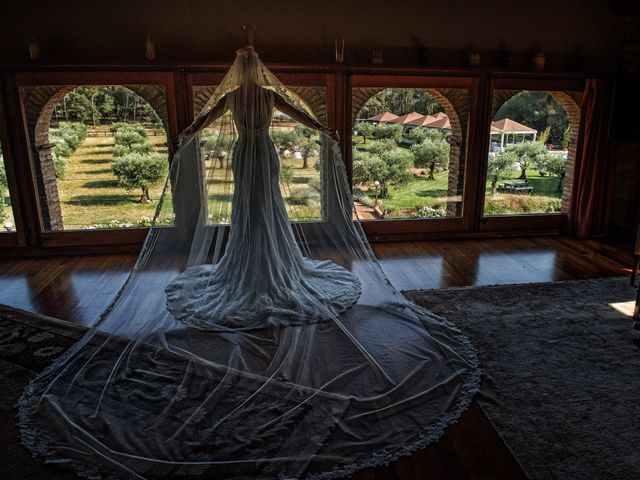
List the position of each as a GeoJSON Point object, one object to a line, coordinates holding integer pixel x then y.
{"type": "Point", "coordinates": [252, 108]}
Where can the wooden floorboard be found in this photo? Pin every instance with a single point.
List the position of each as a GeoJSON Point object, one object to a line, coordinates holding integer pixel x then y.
{"type": "Point", "coordinates": [79, 288]}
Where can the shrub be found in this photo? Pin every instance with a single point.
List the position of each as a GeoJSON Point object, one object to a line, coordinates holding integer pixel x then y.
{"type": "Point", "coordinates": [427, 211]}
{"type": "Point", "coordinates": [66, 139]}
{"type": "Point", "coordinates": [128, 137]}
{"type": "Point", "coordinates": [73, 133]}
{"type": "Point", "coordinates": [130, 127]}
{"type": "Point", "coordinates": [59, 165]}
{"type": "Point", "coordinates": [286, 175]}
{"type": "Point", "coordinates": [61, 148]}
{"type": "Point", "coordinates": [139, 223]}
{"type": "Point", "coordinates": [388, 131]}
{"type": "Point", "coordinates": [521, 204]}
{"type": "Point", "coordinates": [135, 171]}
{"type": "Point", "coordinates": [420, 134]}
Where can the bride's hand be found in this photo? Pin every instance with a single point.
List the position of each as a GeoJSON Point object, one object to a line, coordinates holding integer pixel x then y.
{"type": "Point", "coordinates": [333, 134]}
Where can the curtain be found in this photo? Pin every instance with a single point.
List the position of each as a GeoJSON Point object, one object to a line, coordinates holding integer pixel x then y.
{"type": "Point", "coordinates": [594, 175]}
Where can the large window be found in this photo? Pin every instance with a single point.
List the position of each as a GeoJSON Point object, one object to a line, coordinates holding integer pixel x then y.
{"type": "Point", "coordinates": [298, 148]}
{"type": "Point", "coordinates": [99, 153]}
{"type": "Point", "coordinates": [533, 136]}
{"type": "Point", "coordinates": [409, 150]}
{"type": "Point", "coordinates": [426, 153]}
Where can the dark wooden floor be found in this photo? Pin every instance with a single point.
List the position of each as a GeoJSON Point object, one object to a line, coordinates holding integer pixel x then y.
{"type": "Point", "coordinates": [78, 288]}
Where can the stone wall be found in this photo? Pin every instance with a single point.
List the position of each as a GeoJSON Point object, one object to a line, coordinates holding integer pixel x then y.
{"type": "Point", "coordinates": [626, 153]}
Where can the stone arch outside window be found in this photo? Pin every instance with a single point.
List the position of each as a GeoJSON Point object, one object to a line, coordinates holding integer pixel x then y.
{"type": "Point", "coordinates": [39, 103]}
{"type": "Point", "coordinates": [455, 102]}
{"type": "Point", "coordinates": [570, 102]}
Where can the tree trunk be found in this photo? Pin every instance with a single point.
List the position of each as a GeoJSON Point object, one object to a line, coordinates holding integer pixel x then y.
{"type": "Point", "coordinates": [305, 162]}
{"type": "Point", "coordinates": [93, 108]}
{"type": "Point", "coordinates": [364, 137]}
{"type": "Point", "coordinates": [432, 167]}
{"type": "Point", "coordinates": [494, 185]}
{"type": "Point", "coordinates": [146, 197]}
{"type": "Point", "coordinates": [126, 106]}
{"type": "Point", "coordinates": [523, 174]}
{"type": "Point", "coordinates": [560, 184]}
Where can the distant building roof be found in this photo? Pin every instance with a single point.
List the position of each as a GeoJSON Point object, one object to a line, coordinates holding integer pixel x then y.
{"type": "Point", "coordinates": [382, 117]}
{"type": "Point", "coordinates": [421, 121]}
{"type": "Point", "coordinates": [442, 122]}
{"type": "Point", "coordinates": [439, 120]}
{"type": "Point", "coordinates": [408, 118]}
{"type": "Point", "coordinates": [506, 125]}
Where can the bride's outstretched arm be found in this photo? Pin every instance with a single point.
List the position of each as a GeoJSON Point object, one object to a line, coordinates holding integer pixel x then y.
{"type": "Point", "coordinates": [202, 121]}
{"type": "Point", "coordinates": [303, 117]}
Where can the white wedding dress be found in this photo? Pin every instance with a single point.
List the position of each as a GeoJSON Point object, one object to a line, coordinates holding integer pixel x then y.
{"type": "Point", "coordinates": [264, 349]}
{"type": "Point", "coordinates": [262, 279]}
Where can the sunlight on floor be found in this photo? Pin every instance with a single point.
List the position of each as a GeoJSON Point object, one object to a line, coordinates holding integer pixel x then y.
{"type": "Point", "coordinates": [626, 308]}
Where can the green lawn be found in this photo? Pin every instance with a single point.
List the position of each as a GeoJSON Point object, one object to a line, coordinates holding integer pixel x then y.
{"type": "Point", "coordinates": [90, 195]}
{"type": "Point", "coordinates": [89, 192]}
{"type": "Point", "coordinates": [404, 200]}
{"type": "Point", "coordinates": [544, 199]}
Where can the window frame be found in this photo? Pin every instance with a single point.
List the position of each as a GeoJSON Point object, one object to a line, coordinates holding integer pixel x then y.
{"type": "Point", "coordinates": [16, 238]}
{"type": "Point", "coordinates": [521, 223]}
{"type": "Point", "coordinates": [397, 229]}
{"type": "Point", "coordinates": [339, 79]}
{"type": "Point", "coordinates": [93, 237]}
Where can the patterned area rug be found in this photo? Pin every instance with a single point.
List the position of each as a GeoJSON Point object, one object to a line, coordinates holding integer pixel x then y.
{"type": "Point", "coordinates": [29, 343]}
{"type": "Point", "coordinates": [561, 372]}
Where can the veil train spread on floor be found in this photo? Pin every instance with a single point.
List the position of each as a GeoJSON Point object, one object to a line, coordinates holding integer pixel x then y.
{"type": "Point", "coordinates": [250, 342]}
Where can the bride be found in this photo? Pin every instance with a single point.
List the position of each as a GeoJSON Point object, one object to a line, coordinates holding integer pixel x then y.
{"type": "Point", "coordinates": [262, 279]}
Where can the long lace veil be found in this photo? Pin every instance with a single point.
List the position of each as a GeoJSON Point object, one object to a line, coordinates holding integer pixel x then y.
{"type": "Point", "coordinates": [245, 346]}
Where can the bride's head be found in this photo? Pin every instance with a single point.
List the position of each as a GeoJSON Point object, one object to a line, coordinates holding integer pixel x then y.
{"type": "Point", "coordinates": [247, 58]}
{"type": "Point", "coordinates": [247, 51]}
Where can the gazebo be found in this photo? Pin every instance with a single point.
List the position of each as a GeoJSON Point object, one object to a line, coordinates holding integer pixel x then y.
{"type": "Point", "coordinates": [506, 127]}
{"type": "Point", "coordinates": [383, 117]}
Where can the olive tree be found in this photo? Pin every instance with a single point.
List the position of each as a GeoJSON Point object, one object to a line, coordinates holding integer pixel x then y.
{"type": "Point", "coordinates": [554, 165]}
{"type": "Point", "coordinates": [365, 129]}
{"type": "Point", "coordinates": [136, 170]}
{"type": "Point", "coordinates": [387, 166]}
{"type": "Point", "coordinates": [431, 153]}
{"type": "Point", "coordinates": [499, 166]}
{"type": "Point", "coordinates": [527, 155]}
